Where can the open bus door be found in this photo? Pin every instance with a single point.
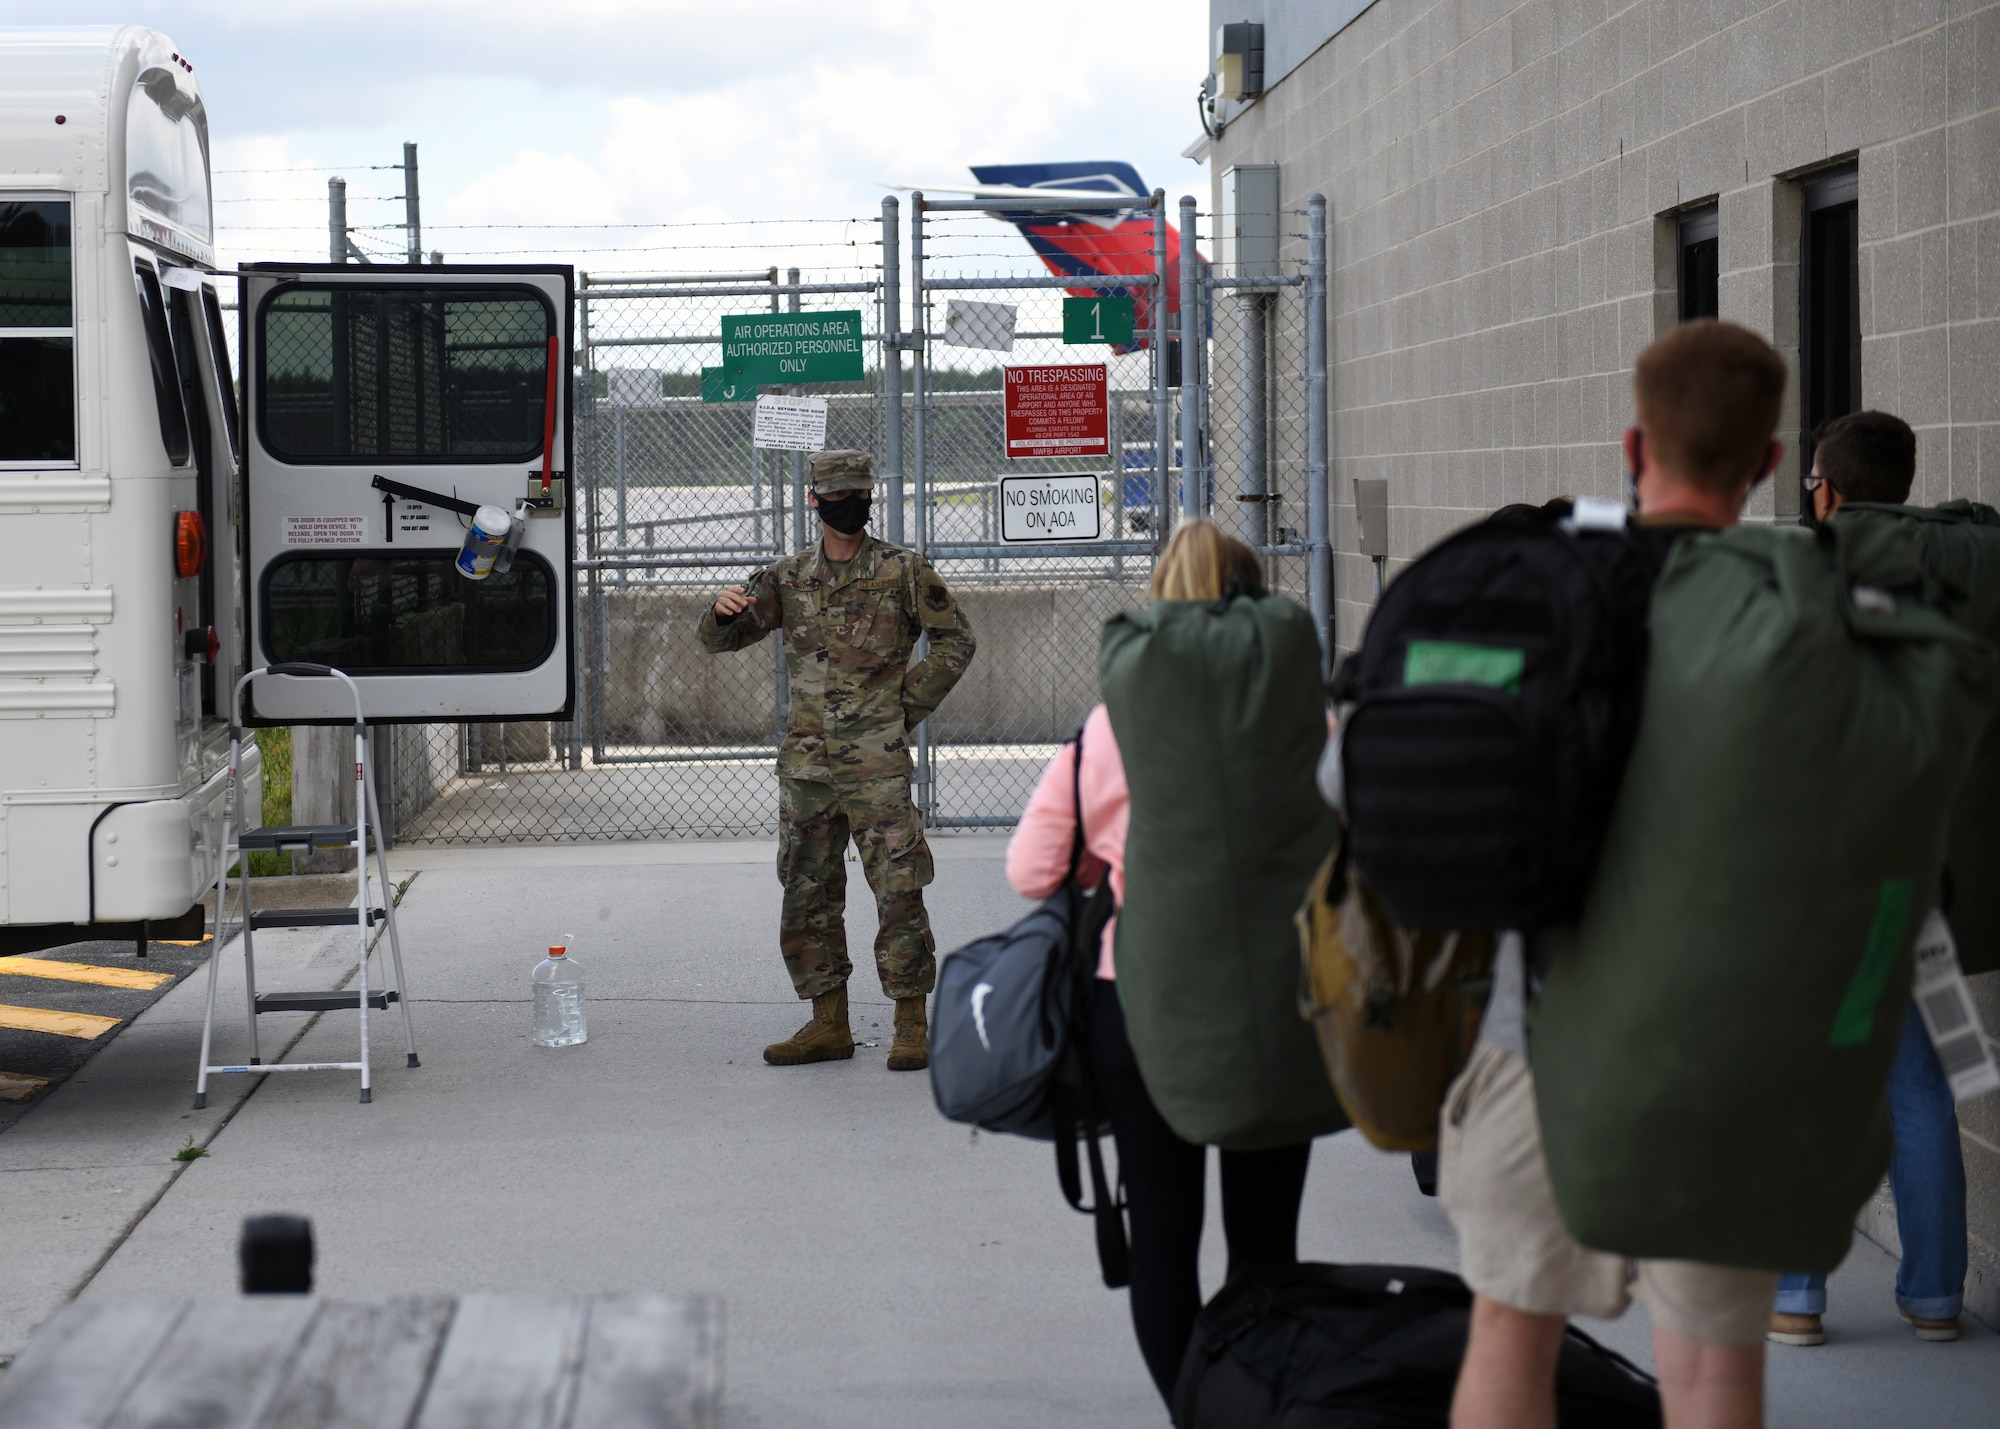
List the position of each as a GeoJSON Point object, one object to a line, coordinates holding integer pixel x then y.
{"type": "Point", "coordinates": [385, 405]}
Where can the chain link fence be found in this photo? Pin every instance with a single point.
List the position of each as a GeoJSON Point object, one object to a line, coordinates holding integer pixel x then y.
{"type": "Point", "coordinates": [674, 503]}
{"type": "Point", "coordinates": [1254, 417]}
{"type": "Point", "coordinates": [1036, 609]}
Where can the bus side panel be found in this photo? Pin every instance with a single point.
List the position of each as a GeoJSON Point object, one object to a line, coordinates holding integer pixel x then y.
{"type": "Point", "coordinates": [144, 859]}
{"type": "Point", "coordinates": [48, 869]}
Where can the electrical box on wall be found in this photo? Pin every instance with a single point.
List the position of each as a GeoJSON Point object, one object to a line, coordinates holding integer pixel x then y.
{"type": "Point", "coordinates": [1239, 61]}
{"type": "Point", "coordinates": [1247, 244]}
{"type": "Point", "coordinates": [1371, 514]}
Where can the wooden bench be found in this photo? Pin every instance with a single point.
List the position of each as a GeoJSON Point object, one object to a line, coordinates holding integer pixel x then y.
{"type": "Point", "coordinates": [295, 1362]}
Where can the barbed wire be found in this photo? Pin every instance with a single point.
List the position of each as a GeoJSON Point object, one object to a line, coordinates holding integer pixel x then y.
{"type": "Point", "coordinates": [308, 169]}
{"type": "Point", "coordinates": [320, 199]}
{"type": "Point", "coordinates": [648, 248]}
{"type": "Point", "coordinates": [768, 246]}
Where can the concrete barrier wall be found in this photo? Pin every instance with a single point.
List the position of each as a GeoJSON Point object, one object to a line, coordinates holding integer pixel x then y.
{"type": "Point", "coordinates": [1034, 678]}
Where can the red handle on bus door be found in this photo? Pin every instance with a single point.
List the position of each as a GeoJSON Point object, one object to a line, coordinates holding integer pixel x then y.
{"type": "Point", "coordinates": [549, 417]}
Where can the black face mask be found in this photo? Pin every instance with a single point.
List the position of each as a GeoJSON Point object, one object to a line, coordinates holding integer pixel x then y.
{"type": "Point", "coordinates": [846, 516]}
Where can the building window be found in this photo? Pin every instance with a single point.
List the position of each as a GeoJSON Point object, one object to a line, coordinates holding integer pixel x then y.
{"type": "Point", "coordinates": [1700, 265]}
{"type": "Point", "coordinates": [37, 336]}
{"type": "Point", "coordinates": [1829, 304]}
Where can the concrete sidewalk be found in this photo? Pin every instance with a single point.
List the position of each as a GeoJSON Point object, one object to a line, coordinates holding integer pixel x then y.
{"type": "Point", "coordinates": [879, 1265]}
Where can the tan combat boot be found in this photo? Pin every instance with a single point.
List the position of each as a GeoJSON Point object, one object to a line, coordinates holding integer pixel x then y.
{"type": "Point", "coordinates": [824, 1039]}
{"type": "Point", "coordinates": [911, 1051]}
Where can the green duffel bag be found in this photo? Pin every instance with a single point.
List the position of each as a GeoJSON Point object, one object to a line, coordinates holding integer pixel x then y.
{"type": "Point", "coordinates": [1712, 1044]}
{"type": "Point", "coordinates": [1961, 546]}
{"type": "Point", "coordinates": [1220, 722]}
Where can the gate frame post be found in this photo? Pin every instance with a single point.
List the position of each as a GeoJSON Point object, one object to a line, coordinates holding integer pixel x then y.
{"type": "Point", "coordinates": [1162, 417]}
{"type": "Point", "coordinates": [1319, 571]}
{"type": "Point", "coordinates": [797, 460]}
{"type": "Point", "coordinates": [586, 403]}
{"type": "Point", "coordinates": [892, 367]}
{"type": "Point", "coordinates": [925, 774]}
{"type": "Point", "coordinates": [919, 453]}
{"type": "Point", "coordinates": [1253, 471]}
{"type": "Point", "coordinates": [1194, 484]}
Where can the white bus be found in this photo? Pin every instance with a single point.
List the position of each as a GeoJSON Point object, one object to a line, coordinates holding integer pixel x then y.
{"type": "Point", "coordinates": [160, 531]}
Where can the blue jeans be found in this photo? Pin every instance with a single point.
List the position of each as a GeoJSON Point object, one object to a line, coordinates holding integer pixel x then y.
{"type": "Point", "coordinates": [1927, 1178]}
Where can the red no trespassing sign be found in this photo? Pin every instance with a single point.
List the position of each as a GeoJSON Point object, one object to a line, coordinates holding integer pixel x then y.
{"type": "Point", "coordinates": [1057, 411]}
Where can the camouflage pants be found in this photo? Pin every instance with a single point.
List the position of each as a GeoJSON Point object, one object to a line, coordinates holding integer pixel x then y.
{"type": "Point", "coordinates": [814, 823]}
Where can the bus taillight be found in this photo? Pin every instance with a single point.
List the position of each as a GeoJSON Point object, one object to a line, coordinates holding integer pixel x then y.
{"type": "Point", "coordinates": [190, 543]}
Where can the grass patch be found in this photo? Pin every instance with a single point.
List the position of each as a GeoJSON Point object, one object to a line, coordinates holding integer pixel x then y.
{"type": "Point", "coordinates": [276, 745]}
{"type": "Point", "coordinates": [190, 1152]}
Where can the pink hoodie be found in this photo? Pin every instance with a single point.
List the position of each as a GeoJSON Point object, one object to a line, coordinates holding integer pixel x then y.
{"type": "Point", "coordinates": [1038, 854]}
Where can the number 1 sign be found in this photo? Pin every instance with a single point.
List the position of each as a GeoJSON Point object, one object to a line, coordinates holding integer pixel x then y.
{"type": "Point", "coordinates": [1097, 319]}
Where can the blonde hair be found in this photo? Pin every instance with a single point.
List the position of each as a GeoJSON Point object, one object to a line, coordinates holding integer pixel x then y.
{"type": "Point", "coordinates": [1200, 563]}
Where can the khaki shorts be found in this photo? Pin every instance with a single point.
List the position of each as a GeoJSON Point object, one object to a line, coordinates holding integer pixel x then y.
{"type": "Point", "coordinates": [1515, 1249]}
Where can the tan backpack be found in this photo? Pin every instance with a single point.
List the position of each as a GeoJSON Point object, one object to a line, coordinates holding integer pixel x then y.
{"type": "Point", "coordinates": [1396, 1010]}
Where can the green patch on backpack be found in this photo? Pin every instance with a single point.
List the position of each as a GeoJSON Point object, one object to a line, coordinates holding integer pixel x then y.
{"type": "Point", "coordinates": [1856, 1018]}
{"type": "Point", "coordinates": [1450, 662]}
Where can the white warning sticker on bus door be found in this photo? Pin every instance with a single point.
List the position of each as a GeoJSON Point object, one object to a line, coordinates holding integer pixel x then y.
{"type": "Point", "coordinates": [325, 530]}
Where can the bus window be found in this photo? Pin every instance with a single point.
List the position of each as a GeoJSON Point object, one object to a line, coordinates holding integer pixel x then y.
{"type": "Point", "coordinates": [37, 339]}
{"type": "Point", "coordinates": [225, 371]}
{"type": "Point", "coordinates": [409, 614]}
{"type": "Point", "coordinates": [403, 373]}
{"type": "Point", "coordinates": [166, 375]}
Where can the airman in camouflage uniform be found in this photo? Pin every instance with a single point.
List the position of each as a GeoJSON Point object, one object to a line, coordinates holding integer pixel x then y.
{"type": "Point", "coordinates": [850, 610]}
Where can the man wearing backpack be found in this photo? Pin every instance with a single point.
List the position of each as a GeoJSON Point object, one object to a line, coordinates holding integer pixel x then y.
{"type": "Point", "coordinates": [1872, 457]}
{"type": "Point", "coordinates": [1707, 396]}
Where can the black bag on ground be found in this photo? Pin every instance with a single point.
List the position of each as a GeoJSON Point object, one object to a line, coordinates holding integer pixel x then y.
{"type": "Point", "coordinates": [1496, 694]}
{"type": "Point", "coordinates": [1007, 1038]}
{"type": "Point", "coordinates": [1369, 1347]}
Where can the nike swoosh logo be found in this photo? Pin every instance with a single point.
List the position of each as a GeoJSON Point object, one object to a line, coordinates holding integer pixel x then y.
{"type": "Point", "coordinates": [979, 996]}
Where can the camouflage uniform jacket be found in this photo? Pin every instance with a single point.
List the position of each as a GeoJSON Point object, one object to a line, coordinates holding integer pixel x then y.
{"type": "Point", "coordinates": [854, 693]}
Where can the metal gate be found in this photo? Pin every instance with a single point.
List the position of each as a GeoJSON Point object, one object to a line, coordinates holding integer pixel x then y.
{"type": "Point", "coordinates": [674, 503]}
{"type": "Point", "coordinates": [1257, 415]}
{"type": "Point", "coordinates": [1036, 610]}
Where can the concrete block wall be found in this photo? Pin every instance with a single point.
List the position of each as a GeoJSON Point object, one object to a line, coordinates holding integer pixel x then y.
{"type": "Point", "coordinates": [1503, 177]}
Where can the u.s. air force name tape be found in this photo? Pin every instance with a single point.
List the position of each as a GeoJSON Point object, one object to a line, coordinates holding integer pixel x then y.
{"type": "Point", "coordinates": [1945, 1003]}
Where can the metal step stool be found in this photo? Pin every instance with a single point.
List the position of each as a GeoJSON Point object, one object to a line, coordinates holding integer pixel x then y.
{"type": "Point", "coordinates": [239, 844]}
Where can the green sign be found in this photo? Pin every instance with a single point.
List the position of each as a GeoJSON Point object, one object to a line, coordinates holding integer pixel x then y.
{"type": "Point", "coordinates": [1098, 320]}
{"type": "Point", "coordinates": [779, 348]}
{"type": "Point", "coordinates": [716, 386]}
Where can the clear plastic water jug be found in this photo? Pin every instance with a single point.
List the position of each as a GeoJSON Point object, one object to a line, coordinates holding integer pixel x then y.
{"type": "Point", "coordinates": [558, 985]}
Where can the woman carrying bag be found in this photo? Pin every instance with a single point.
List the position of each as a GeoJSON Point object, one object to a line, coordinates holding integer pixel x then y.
{"type": "Point", "coordinates": [1210, 620]}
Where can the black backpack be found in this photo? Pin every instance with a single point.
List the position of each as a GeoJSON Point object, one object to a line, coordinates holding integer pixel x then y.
{"type": "Point", "coordinates": [1369, 1347]}
{"type": "Point", "coordinates": [1496, 694]}
{"type": "Point", "coordinates": [1007, 1049]}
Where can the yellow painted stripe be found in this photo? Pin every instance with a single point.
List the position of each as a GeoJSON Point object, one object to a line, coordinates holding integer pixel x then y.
{"type": "Point", "coordinates": [84, 972]}
{"type": "Point", "coordinates": [18, 1086]}
{"type": "Point", "coordinates": [63, 1024]}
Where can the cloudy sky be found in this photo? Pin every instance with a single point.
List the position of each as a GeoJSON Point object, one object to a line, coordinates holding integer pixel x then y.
{"type": "Point", "coordinates": [638, 135]}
